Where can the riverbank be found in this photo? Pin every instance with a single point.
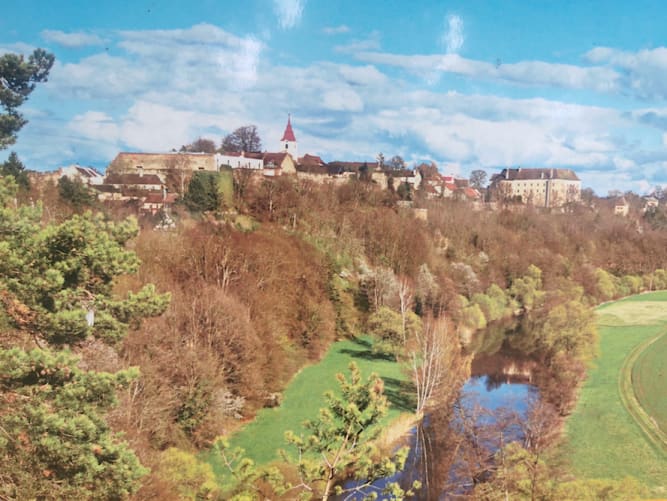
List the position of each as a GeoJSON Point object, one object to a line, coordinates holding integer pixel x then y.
{"type": "Point", "coordinates": [304, 396]}
{"type": "Point", "coordinates": [603, 438]}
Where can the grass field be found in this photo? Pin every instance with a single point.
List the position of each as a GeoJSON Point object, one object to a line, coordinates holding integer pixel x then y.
{"type": "Point", "coordinates": [302, 399]}
{"type": "Point", "coordinates": [603, 438]}
{"type": "Point", "coordinates": [649, 380]}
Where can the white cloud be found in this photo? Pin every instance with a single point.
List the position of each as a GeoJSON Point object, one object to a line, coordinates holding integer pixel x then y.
{"type": "Point", "coordinates": [344, 99]}
{"type": "Point", "coordinates": [95, 125]}
{"type": "Point", "coordinates": [361, 75]}
{"type": "Point", "coordinates": [370, 43]}
{"type": "Point", "coordinates": [643, 71]}
{"type": "Point", "coordinates": [17, 48]}
{"type": "Point", "coordinates": [156, 127]}
{"type": "Point", "coordinates": [71, 40]}
{"type": "Point", "coordinates": [535, 73]}
{"type": "Point", "coordinates": [289, 12]}
{"type": "Point", "coordinates": [453, 36]}
{"type": "Point", "coordinates": [192, 60]}
{"type": "Point", "coordinates": [336, 30]}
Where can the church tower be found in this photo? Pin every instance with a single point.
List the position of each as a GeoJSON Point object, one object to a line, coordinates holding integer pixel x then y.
{"type": "Point", "coordinates": [288, 142]}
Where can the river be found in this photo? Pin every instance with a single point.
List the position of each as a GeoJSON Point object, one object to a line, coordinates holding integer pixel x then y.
{"type": "Point", "coordinates": [450, 450]}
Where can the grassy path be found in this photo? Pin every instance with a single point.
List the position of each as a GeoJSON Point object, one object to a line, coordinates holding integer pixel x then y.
{"type": "Point", "coordinates": [605, 440]}
{"type": "Point", "coordinates": [303, 398]}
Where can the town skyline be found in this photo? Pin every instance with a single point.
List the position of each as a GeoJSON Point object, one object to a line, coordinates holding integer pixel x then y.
{"type": "Point", "coordinates": [468, 87]}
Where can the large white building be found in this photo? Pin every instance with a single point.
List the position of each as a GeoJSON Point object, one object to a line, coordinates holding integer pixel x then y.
{"type": "Point", "coordinates": [540, 187]}
{"type": "Point", "coordinates": [240, 160]}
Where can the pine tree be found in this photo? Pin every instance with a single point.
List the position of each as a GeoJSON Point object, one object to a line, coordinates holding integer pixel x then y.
{"type": "Point", "coordinates": [54, 442]}
{"type": "Point", "coordinates": [56, 289]}
{"type": "Point", "coordinates": [15, 168]}
{"type": "Point", "coordinates": [342, 437]}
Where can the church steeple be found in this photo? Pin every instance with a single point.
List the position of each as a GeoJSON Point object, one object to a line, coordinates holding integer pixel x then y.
{"type": "Point", "coordinates": [288, 141]}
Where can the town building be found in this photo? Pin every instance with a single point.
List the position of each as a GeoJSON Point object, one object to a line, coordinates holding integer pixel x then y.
{"type": "Point", "coordinates": [160, 163]}
{"type": "Point", "coordinates": [621, 207]}
{"type": "Point", "coordinates": [541, 187]}
{"type": "Point", "coordinates": [288, 141]}
{"type": "Point", "coordinates": [74, 172]}
{"type": "Point", "coordinates": [240, 160]}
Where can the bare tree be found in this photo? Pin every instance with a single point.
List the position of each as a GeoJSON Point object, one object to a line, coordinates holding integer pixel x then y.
{"type": "Point", "coordinates": [405, 297]}
{"type": "Point", "coordinates": [397, 162]}
{"type": "Point", "coordinates": [436, 362]}
{"type": "Point", "coordinates": [478, 179]}
{"type": "Point", "coordinates": [200, 145]}
{"type": "Point", "coordinates": [244, 138]}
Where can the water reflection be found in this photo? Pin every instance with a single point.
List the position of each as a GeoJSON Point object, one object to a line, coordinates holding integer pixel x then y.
{"type": "Point", "coordinates": [453, 449]}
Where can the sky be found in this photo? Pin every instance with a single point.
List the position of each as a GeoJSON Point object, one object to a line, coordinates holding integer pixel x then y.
{"type": "Point", "coordinates": [474, 84]}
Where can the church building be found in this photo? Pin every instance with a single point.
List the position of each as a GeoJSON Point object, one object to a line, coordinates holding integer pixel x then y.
{"type": "Point", "coordinates": [288, 141]}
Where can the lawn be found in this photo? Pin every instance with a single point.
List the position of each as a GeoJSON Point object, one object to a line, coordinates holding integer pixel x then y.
{"type": "Point", "coordinates": [302, 399]}
{"type": "Point", "coordinates": [603, 438]}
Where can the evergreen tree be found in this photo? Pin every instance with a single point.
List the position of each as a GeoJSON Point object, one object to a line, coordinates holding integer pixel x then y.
{"type": "Point", "coordinates": [342, 437]}
{"type": "Point", "coordinates": [55, 444]}
{"type": "Point", "coordinates": [15, 168]}
{"type": "Point", "coordinates": [56, 288]}
{"type": "Point", "coordinates": [18, 77]}
{"type": "Point", "coordinates": [204, 193]}
{"type": "Point", "coordinates": [75, 192]}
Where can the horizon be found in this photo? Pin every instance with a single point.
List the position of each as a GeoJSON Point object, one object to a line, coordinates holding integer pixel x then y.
{"type": "Point", "coordinates": [487, 85]}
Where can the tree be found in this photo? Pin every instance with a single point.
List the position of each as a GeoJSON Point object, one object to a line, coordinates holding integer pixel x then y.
{"type": "Point", "coordinates": [342, 437]}
{"type": "Point", "coordinates": [55, 443]}
{"type": "Point", "coordinates": [18, 78]}
{"type": "Point", "coordinates": [191, 478]}
{"type": "Point", "coordinates": [380, 160]}
{"type": "Point", "coordinates": [57, 288]}
{"type": "Point", "coordinates": [244, 138]}
{"type": "Point", "coordinates": [435, 362]}
{"type": "Point", "coordinates": [478, 179]}
{"type": "Point", "coordinates": [15, 168]}
{"type": "Point", "coordinates": [397, 162]}
{"type": "Point", "coordinates": [200, 145]}
{"type": "Point", "coordinates": [75, 192]}
{"type": "Point", "coordinates": [203, 192]}
{"type": "Point", "coordinates": [391, 330]}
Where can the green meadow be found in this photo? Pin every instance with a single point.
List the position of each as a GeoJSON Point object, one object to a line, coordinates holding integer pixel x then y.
{"type": "Point", "coordinates": [264, 436]}
{"type": "Point", "coordinates": [612, 432]}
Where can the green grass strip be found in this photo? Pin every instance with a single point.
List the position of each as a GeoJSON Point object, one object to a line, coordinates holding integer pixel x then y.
{"type": "Point", "coordinates": [265, 435]}
{"type": "Point", "coordinates": [629, 398]}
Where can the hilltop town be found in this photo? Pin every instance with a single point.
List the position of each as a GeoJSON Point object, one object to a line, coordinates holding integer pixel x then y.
{"type": "Point", "coordinates": [157, 180]}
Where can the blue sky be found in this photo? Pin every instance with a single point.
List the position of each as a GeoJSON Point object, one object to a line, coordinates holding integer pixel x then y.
{"type": "Point", "coordinates": [466, 84]}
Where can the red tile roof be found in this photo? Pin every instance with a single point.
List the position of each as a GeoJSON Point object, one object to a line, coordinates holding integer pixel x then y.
{"type": "Point", "coordinates": [288, 135]}
{"type": "Point", "coordinates": [274, 158]}
{"type": "Point", "coordinates": [311, 161]}
{"type": "Point", "coordinates": [471, 193]}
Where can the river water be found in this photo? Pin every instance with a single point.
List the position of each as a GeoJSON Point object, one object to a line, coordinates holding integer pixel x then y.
{"type": "Point", "coordinates": [451, 450]}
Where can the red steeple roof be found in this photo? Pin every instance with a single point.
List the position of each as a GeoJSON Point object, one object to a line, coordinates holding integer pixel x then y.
{"type": "Point", "coordinates": [288, 135]}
